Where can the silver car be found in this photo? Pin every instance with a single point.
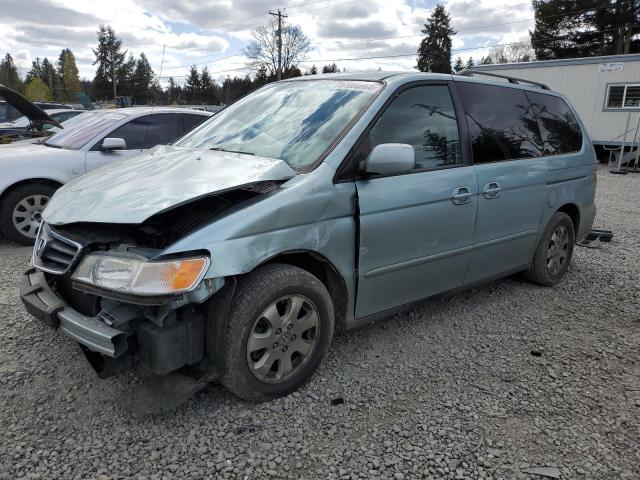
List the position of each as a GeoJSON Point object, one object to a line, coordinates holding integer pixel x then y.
{"type": "Point", "coordinates": [30, 172]}
{"type": "Point", "coordinates": [310, 206]}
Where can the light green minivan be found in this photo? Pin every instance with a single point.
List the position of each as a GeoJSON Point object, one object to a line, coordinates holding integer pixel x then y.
{"type": "Point", "coordinates": [310, 206]}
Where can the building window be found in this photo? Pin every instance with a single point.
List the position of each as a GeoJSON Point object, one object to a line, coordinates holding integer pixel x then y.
{"type": "Point", "coordinates": [623, 96]}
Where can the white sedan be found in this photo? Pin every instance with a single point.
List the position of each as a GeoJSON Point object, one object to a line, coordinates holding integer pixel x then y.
{"type": "Point", "coordinates": [31, 172]}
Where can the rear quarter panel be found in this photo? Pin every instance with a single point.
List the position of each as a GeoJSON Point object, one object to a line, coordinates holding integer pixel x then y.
{"type": "Point", "coordinates": [571, 180]}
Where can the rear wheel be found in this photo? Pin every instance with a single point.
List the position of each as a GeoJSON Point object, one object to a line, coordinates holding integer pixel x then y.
{"type": "Point", "coordinates": [279, 330]}
{"type": "Point", "coordinates": [21, 211]}
{"type": "Point", "coordinates": [554, 251]}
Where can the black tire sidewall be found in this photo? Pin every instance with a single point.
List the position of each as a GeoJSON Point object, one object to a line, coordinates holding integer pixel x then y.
{"type": "Point", "coordinates": [11, 200]}
{"type": "Point", "coordinates": [237, 376]}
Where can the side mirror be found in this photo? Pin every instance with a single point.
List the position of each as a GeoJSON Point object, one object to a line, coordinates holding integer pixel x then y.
{"type": "Point", "coordinates": [110, 143]}
{"type": "Point", "coordinates": [390, 159]}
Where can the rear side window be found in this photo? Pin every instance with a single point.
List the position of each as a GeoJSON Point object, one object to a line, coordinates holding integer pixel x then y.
{"type": "Point", "coordinates": [191, 121]}
{"type": "Point", "coordinates": [501, 123]}
{"type": "Point", "coordinates": [558, 125]}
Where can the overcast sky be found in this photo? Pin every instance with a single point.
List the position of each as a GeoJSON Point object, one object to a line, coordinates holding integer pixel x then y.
{"type": "Point", "coordinates": [213, 32]}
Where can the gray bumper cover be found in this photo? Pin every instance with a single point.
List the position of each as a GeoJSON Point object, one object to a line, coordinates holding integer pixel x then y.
{"type": "Point", "coordinates": [41, 302]}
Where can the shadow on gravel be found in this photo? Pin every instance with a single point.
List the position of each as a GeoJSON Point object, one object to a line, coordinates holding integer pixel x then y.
{"type": "Point", "coordinates": [155, 395]}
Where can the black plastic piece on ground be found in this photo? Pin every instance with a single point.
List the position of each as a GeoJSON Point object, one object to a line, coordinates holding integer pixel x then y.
{"type": "Point", "coordinates": [618, 172]}
{"type": "Point", "coordinates": [603, 235]}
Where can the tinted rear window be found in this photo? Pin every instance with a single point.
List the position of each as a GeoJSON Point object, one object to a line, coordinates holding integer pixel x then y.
{"type": "Point", "coordinates": [559, 126]}
{"type": "Point", "coordinates": [501, 123]}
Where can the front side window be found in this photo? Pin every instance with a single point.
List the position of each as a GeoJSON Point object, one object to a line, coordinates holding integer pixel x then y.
{"type": "Point", "coordinates": [147, 131]}
{"type": "Point", "coordinates": [295, 121]}
{"type": "Point", "coordinates": [423, 117]}
{"type": "Point", "coordinates": [623, 96]}
{"type": "Point", "coordinates": [559, 126]}
{"type": "Point", "coordinates": [501, 123]}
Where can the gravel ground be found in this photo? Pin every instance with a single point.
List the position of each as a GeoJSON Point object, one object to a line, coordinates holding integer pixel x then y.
{"type": "Point", "coordinates": [487, 384]}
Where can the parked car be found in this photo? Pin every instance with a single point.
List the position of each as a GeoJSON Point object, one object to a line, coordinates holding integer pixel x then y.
{"type": "Point", "coordinates": [23, 127]}
{"type": "Point", "coordinates": [8, 113]}
{"type": "Point", "coordinates": [31, 173]}
{"type": "Point", "coordinates": [310, 206]}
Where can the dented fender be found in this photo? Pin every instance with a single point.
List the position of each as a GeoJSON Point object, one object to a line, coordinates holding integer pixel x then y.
{"type": "Point", "coordinates": [308, 213]}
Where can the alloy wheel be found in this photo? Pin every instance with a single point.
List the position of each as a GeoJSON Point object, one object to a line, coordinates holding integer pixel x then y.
{"type": "Point", "coordinates": [282, 339]}
{"type": "Point", "coordinates": [27, 214]}
{"type": "Point", "coordinates": [558, 250]}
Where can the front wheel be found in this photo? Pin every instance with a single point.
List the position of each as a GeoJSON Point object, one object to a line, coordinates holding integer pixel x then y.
{"type": "Point", "coordinates": [21, 211]}
{"type": "Point", "coordinates": [279, 330]}
{"type": "Point", "coordinates": [554, 251]}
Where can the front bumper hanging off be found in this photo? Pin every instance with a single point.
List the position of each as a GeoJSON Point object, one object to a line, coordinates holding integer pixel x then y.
{"type": "Point", "coordinates": [41, 302]}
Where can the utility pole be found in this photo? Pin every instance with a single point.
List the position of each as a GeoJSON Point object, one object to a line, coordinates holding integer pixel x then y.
{"type": "Point", "coordinates": [279, 33]}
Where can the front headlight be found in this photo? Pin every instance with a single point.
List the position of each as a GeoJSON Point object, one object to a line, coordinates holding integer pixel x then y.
{"type": "Point", "coordinates": [140, 276]}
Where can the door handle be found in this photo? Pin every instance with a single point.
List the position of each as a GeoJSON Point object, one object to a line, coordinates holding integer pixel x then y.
{"type": "Point", "coordinates": [491, 190]}
{"type": "Point", "coordinates": [461, 195]}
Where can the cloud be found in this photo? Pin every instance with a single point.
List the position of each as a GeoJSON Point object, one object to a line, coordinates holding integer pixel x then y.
{"type": "Point", "coordinates": [51, 12]}
{"type": "Point", "coordinates": [211, 32]}
{"type": "Point", "coordinates": [369, 29]}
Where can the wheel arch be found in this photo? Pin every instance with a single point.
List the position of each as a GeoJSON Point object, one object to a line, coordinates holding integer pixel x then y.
{"type": "Point", "coordinates": [321, 267]}
{"type": "Point", "coordinates": [46, 181]}
{"type": "Point", "coordinates": [573, 211]}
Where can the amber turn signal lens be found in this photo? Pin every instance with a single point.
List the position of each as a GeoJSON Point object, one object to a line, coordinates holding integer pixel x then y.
{"type": "Point", "coordinates": [182, 275]}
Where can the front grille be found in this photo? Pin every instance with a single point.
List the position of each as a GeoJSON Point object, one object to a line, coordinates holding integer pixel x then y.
{"type": "Point", "coordinates": [54, 253]}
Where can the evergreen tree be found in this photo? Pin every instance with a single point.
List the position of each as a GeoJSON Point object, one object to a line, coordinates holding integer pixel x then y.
{"type": "Point", "coordinates": [110, 59]}
{"type": "Point", "coordinates": [585, 28]}
{"type": "Point", "coordinates": [458, 66]}
{"type": "Point", "coordinates": [312, 71]}
{"type": "Point", "coordinates": [209, 88]}
{"type": "Point", "coordinates": [470, 63]}
{"type": "Point", "coordinates": [333, 68]}
{"type": "Point", "coordinates": [37, 91]}
{"type": "Point", "coordinates": [142, 80]}
{"type": "Point", "coordinates": [434, 53]}
{"type": "Point", "coordinates": [51, 78]}
{"type": "Point", "coordinates": [35, 71]}
{"type": "Point", "coordinates": [9, 76]}
{"type": "Point", "coordinates": [125, 77]}
{"type": "Point", "coordinates": [174, 92]}
{"type": "Point", "coordinates": [261, 78]}
{"type": "Point", "coordinates": [68, 75]}
{"type": "Point", "coordinates": [192, 86]}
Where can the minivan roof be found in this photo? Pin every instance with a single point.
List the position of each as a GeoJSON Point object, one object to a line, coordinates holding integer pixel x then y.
{"type": "Point", "coordinates": [399, 76]}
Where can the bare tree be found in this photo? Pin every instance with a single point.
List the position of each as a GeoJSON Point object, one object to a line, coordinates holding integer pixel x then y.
{"type": "Point", "coordinates": [263, 49]}
{"type": "Point", "coordinates": [512, 53]}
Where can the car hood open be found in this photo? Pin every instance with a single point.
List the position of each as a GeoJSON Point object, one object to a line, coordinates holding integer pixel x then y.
{"type": "Point", "coordinates": [132, 190]}
{"type": "Point", "coordinates": [26, 107]}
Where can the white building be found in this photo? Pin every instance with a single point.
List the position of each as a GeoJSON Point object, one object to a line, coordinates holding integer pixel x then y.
{"type": "Point", "coordinates": [605, 91]}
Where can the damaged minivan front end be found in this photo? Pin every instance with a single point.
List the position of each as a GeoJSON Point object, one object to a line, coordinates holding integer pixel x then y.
{"type": "Point", "coordinates": [101, 275]}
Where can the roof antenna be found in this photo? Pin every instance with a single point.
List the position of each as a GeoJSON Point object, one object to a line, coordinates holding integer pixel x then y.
{"type": "Point", "coordinates": [160, 75]}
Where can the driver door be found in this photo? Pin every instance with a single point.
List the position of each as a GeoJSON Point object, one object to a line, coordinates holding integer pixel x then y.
{"type": "Point", "coordinates": [416, 229]}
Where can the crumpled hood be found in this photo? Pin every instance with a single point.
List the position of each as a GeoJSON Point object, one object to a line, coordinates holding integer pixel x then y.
{"type": "Point", "coordinates": [132, 190]}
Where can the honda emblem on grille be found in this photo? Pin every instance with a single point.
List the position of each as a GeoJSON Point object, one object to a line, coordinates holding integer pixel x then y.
{"type": "Point", "coordinates": [42, 242]}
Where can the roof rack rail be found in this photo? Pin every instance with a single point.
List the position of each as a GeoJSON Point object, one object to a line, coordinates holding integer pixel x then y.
{"type": "Point", "coordinates": [471, 73]}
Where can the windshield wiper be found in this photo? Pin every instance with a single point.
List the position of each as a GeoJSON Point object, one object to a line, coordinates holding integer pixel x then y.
{"type": "Point", "coordinates": [219, 149]}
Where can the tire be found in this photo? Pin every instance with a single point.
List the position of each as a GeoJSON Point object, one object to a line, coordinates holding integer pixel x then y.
{"type": "Point", "coordinates": [261, 335]}
{"type": "Point", "coordinates": [554, 251]}
{"type": "Point", "coordinates": [30, 200]}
